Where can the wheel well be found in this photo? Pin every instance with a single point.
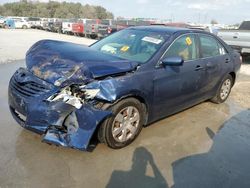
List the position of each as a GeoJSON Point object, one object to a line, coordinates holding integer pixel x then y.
{"type": "Point", "coordinates": [233, 76]}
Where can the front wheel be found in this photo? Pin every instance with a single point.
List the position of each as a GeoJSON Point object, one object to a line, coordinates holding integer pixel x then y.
{"type": "Point", "coordinates": [224, 90]}
{"type": "Point", "coordinates": [124, 125]}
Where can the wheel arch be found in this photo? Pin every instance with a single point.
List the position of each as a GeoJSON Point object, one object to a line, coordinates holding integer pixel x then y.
{"type": "Point", "coordinates": [138, 96]}
{"type": "Point", "coordinates": [233, 76]}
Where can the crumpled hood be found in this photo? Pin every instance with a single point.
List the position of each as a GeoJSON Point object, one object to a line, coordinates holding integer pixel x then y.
{"type": "Point", "coordinates": [63, 63]}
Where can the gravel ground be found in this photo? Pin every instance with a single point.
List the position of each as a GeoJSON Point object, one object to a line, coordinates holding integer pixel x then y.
{"type": "Point", "coordinates": [15, 43]}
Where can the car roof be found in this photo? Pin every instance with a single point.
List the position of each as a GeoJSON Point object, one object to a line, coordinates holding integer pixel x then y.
{"type": "Point", "coordinates": [166, 29]}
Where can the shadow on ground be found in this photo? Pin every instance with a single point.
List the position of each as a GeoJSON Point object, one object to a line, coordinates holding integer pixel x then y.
{"type": "Point", "coordinates": [227, 162]}
{"type": "Point", "coordinates": [225, 165]}
{"type": "Point", "coordinates": [137, 177]}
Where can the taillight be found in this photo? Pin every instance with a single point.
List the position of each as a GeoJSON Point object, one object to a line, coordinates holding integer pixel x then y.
{"type": "Point", "coordinates": [93, 28]}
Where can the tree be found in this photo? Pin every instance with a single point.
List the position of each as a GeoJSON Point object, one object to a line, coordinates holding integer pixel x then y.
{"type": "Point", "coordinates": [52, 9]}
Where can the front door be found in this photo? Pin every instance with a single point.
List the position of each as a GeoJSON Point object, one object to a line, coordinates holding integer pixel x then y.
{"type": "Point", "coordinates": [177, 87]}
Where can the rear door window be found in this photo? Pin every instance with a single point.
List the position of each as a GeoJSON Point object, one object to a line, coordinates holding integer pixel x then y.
{"type": "Point", "coordinates": [210, 47]}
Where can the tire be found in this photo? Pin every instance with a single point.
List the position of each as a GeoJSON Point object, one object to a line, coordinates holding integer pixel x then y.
{"type": "Point", "coordinates": [24, 27]}
{"type": "Point", "coordinates": [224, 90]}
{"type": "Point", "coordinates": [117, 131]}
{"type": "Point", "coordinates": [93, 36]}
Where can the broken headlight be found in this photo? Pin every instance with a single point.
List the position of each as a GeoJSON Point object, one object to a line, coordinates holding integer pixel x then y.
{"type": "Point", "coordinates": [74, 95]}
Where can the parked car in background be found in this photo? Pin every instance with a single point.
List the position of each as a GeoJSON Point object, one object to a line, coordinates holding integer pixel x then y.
{"type": "Point", "coordinates": [21, 23]}
{"type": "Point", "coordinates": [2, 21]}
{"type": "Point", "coordinates": [123, 24]}
{"type": "Point", "coordinates": [34, 22]}
{"type": "Point", "coordinates": [105, 27]}
{"type": "Point", "coordinates": [53, 26]}
{"type": "Point", "coordinates": [40, 24]}
{"type": "Point", "coordinates": [18, 23]}
{"type": "Point", "coordinates": [95, 29]}
{"type": "Point", "coordinates": [239, 39]}
{"type": "Point", "coordinates": [112, 26]}
{"type": "Point", "coordinates": [73, 94]}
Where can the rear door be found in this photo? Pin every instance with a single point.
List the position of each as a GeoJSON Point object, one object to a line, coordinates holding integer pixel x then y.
{"type": "Point", "coordinates": [216, 62]}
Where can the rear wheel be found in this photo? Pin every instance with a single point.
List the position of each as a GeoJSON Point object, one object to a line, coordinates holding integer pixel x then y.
{"type": "Point", "coordinates": [124, 125]}
{"type": "Point", "coordinates": [24, 27]}
{"type": "Point", "coordinates": [224, 90]}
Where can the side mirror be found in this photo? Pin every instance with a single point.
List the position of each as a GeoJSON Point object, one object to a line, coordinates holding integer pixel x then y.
{"type": "Point", "coordinates": [173, 61]}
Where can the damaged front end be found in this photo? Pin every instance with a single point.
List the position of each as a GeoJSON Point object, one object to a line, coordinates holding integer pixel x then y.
{"type": "Point", "coordinates": [65, 116]}
{"type": "Point", "coordinates": [80, 124]}
{"type": "Point", "coordinates": [59, 95]}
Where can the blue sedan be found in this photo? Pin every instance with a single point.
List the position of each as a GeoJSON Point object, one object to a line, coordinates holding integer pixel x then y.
{"type": "Point", "coordinates": [74, 95]}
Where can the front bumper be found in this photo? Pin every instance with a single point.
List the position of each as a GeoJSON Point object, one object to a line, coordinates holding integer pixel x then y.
{"type": "Point", "coordinates": [33, 112]}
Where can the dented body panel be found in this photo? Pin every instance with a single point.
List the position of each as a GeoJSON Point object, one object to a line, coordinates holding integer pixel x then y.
{"type": "Point", "coordinates": [63, 63]}
{"type": "Point", "coordinates": [62, 91]}
{"type": "Point", "coordinates": [88, 118]}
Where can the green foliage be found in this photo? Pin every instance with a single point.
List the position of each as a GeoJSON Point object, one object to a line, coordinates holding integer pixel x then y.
{"type": "Point", "coordinates": [54, 9]}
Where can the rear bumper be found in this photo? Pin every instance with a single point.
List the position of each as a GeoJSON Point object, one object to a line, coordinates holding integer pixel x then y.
{"type": "Point", "coordinates": [48, 118]}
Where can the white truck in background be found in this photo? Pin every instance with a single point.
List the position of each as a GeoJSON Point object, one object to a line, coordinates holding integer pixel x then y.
{"type": "Point", "coordinates": [238, 39]}
{"type": "Point", "coordinates": [67, 26]}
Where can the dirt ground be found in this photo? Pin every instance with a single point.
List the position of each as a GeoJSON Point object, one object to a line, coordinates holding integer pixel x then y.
{"type": "Point", "coordinates": [204, 146]}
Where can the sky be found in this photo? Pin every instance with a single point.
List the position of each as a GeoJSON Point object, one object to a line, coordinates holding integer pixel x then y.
{"type": "Point", "coordinates": [224, 11]}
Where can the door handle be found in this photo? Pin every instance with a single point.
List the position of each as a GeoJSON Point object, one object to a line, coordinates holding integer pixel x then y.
{"type": "Point", "coordinates": [198, 68]}
{"type": "Point", "coordinates": [227, 60]}
{"type": "Point", "coordinates": [235, 37]}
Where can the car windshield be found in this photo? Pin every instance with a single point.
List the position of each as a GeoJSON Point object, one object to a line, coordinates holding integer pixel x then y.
{"type": "Point", "coordinates": [131, 44]}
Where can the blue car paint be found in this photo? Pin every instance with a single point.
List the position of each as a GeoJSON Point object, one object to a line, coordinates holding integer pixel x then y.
{"type": "Point", "coordinates": [162, 89]}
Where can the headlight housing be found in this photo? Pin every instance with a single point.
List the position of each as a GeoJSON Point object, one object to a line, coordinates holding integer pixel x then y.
{"type": "Point", "coordinates": [74, 95]}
